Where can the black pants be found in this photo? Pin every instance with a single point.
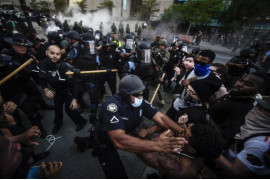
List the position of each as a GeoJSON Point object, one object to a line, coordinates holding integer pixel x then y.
{"type": "Point", "coordinates": [59, 100]}
{"type": "Point", "coordinates": [30, 108]}
{"type": "Point", "coordinates": [111, 79]}
{"type": "Point", "coordinates": [111, 164]}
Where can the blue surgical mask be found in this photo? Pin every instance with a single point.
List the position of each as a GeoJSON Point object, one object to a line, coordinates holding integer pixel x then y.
{"type": "Point", "coordinates": [200, 70]}
{"type": "Point", "coordinates": [137, 102]}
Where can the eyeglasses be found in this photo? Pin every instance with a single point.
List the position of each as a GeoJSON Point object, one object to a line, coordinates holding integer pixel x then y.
{"type": "Point", "coordinates": [137, 95]}
{"type": "Point", "coordinates": [189, 91]}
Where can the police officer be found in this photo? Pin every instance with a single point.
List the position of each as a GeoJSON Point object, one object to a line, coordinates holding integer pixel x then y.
{"type": "Point", "coordinates": [121, 114]}
{"type": "Point", "coordinates": [53, 39]}
{"type": "Point", "coordinates": [52, 71]}
{"type": "Point", "coordinates": [21, 89]}
{"type": "Point", "coordinates": [175, 60]}
{"type": "Point", "coordinates": [108, 59]}
{"type": "Point", "coordinates": [141, 65]}
{"type": "Point", "coordinates": [126, 48]}
{"type": "Point", "coordinates": [75, 48]}
{"type": "Point", "coordinates": [115, 40]}
{"type": "Point", "coordinates": [161, 56]}
{"type": "Point", "coordinates": [89, 61]}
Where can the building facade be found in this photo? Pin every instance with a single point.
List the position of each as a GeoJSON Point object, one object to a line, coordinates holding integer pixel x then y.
{"type": "Point", "coordinates": [127, 9]}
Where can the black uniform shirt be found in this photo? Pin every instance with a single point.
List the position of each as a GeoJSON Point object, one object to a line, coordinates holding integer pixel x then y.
{"type": "Point", "coordinates": [118, 113]}
{"type": "Point", "coordinates": [54, 74]}
{"type": "Point", "coordinates": [109, 59]}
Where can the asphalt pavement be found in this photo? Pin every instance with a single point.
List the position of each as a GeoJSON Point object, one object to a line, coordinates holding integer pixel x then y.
{"type": "Point", "coordinates": [78, 165]}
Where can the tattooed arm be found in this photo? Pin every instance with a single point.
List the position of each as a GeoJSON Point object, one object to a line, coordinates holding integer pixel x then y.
{"type": "Point", "coordinates": [172, 165]}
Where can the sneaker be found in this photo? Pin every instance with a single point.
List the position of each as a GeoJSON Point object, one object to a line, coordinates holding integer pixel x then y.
{"type": "Point", "coordinates": [80, 126]}
{"type": "Point", "coordinates": [55, 129]}
{"type": "Point", "coordinates": [162, 102]}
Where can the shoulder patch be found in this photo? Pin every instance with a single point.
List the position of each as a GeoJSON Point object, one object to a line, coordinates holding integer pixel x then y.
{"type": "Point", "coordinates": [114, 120]}
{"type": "Point", "coordinates": [112, 107]}
{"type": "Point", "coordinates": [149, 104]}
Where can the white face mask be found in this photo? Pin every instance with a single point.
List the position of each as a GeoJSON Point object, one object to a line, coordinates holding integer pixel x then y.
{"type": "Point", "coordinates": [137, 102]}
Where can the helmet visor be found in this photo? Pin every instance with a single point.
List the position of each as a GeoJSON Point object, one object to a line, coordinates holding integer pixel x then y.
{"type": "Point", "coordinates": [91, 47]}
{"type": "Point", "coordinates": [147, 56]}
{"type": "Point", "coordinates": [175, 39]}
{"type": "Point", "coordinates": [97, 36]}
{"type": "Point", "coordinates": [184, 49]}
{"type": "Point", "coordinates": [129, 43]}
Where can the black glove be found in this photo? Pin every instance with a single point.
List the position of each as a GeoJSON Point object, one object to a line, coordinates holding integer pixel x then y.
{"type": "Point", "coordinates": [77, 72]}
{"type": "Point", "coordinates": [109, 70]}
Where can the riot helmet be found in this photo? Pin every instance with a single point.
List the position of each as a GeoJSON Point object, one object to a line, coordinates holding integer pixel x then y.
{"type": "Point", "coordinates": [98, 35]}
{"type": "Point", "coordinates": [128, 41]}
{"type": "Point", "coordinates": [130, 84]}
{"type": "Point", "coordinates": [183, 47]}
{"type": "Point", "coordinates": [89, 42]}
{"type": "Point", "coordinates": [106, 42]}
{"type": "Point", "coordinates": [109, 36]}
{"type": "Point", "coordinates": [54, 38]}
{"type": "Point", "coordinates": [176, 39]}
{"type": "Point", "coordinates": [162, 42]}
{"type": "Point", "coordinates": [73, 35]}
{"type": "Point", "coordinates": [143, 51]}
{"type": "Point", "coordinates": [64, 44]}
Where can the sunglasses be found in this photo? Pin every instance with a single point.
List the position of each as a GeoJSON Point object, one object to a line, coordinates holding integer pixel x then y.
{"type": "Point", "coordinates": [137, 95]}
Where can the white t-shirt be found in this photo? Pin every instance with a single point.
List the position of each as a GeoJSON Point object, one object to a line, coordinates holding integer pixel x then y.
{"type": "Point", "coordinates": [256, 146]}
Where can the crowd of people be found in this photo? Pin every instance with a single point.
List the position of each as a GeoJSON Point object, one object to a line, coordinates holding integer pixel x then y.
{"type": "Point", "coordinates": [217, 125]}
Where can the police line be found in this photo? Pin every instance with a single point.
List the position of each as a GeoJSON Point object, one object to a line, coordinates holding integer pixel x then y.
{"type": "Point", "coordinates": [67, 73]}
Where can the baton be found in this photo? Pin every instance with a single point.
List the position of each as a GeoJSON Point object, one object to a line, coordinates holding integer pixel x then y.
{"type": "Point", "coordinates": [16, 71]}
{"type": "Point", "coordinates": [92, 72]}
{"type": "Point", "coordinates": [163, 75]}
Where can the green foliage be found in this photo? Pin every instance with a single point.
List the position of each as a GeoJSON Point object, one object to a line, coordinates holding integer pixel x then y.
{"type": "Point", "coordinates": [199, 12]}
{"type": "Point", "coordinates": [60, 5]}
{"type": "Point", "coordinates": [33, 4]}
{"type": "Point", "coordinates": [82, 5]}
{"type": "Point", "coordinates": [107, 4]}
{"type": "Point", "coordinates": [147, 9]}
{"type": "Point", "coordinates": [41, 5]}
{"type": "Point", "coordinates": [44, 6]}
{"type": "Point", "coordinates": [241, 13]}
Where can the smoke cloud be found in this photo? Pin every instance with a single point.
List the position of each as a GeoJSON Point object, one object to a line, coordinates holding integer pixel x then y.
{"type": "Point", "coordinates": [91, 20]}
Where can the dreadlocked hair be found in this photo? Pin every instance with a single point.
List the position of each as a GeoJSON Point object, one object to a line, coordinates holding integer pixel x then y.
{"type": "Point", "coordinates": [205, 141]}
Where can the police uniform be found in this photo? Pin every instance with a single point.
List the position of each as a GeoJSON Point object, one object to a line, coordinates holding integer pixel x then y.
{"type": "Point", "coordinates": [140, 69]}
{"type": "Point", "coordinates": [175, 59]}
{"type": "Point", "coordinates": [118, 113]}
{"type": "Point", "coordinates": [161, 57]}
{"type": "Point", "coordinates": [74, 52]}
{"type": "Point", "coordinates": [109, 61]}
{"type": "Point", "coordinates": [89, 82]}
{"type": "Point", "coordinates": [21, 89]}
{"type": "Point", "coordinates": [66, 89]}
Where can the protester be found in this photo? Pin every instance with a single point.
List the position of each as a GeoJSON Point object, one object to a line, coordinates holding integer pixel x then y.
{"type": "Point", "coordinates": [246, 159]}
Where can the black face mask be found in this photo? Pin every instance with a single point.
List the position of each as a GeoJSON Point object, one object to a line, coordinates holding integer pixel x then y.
{"type": "Point", "coordinates": [202, 63]}
{"type": "Point", "coordinates": [190, 101]}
